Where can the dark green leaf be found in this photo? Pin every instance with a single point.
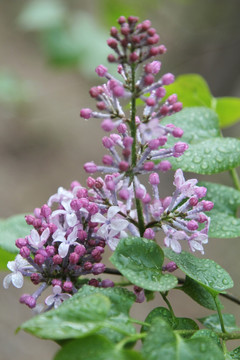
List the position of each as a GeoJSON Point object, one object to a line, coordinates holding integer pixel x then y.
{"type": "Point", "coordinates": [235, 354]}
{"type": "Point", "coordinates": [95, 348]}
{"type": "Point", "coordinates": [149, 295]}
{"type": "Point", "coordinates": [140, 261]}
{"type": "Point", "coordinates": [74, 318]}
{"type": "Point", "coordinates": [192, 90]}
{"type": "Point", "coordinates": [204, 271]}
{"type": "Point", "coordinates": [224, 223]}
{"type": "Point", "coordinates": [210, 156]}
{"type": "Point", "coordinates": [162, 342]}
{"type": "Point", "coordinates": [198, 293]}
{"type": "Point", "coordinates": [228, 110]}
{"type": "Point", "coordinates": [212, 322]}
{"type": "Point", "coordinates": [186, 324]}
{"type": "Point", "coordinates": [161, 312]}
{"type": "Point", "coordinates": [10, 229]}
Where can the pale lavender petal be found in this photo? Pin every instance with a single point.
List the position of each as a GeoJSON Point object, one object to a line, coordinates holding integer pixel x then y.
{"type": "Point", "coordinates": [112, 211]}
{"type": "Point", "coordinates": [119, 224]}
{"type": "Point", "coordinates": [34, 238]}
{"type": "Point", "coordinates": [112, 243]}
{"type": "Point", "coordinates": [194, 245]}
{"type": "Point", "coordinates": [49, 300]}
{"type": "Point", "coordinates": [73, 236]}
{"type": "Point", "coordinates": [57, 290]}
{"type": "Point", "coordinates": [63, 249]}
{"type": "Point", "coordinates": [7, 281]}
{"type": "Point", "coordinates": [178, 178]}
{"type": "Point", "coordinates": [11, 265]}
{"type": "Point", "coordinates": [57, 302]}
{"type": "Point", "coordinates": [176, 247]}
{"type": "Point", "coordinates": [17, 279]}
{"type": "Point", "coordinates": [71, 219]}
{"type": "Point", "coordinates": [98, 218]}
{"type": "Point", "coordinates": [65, 296]}
{"type": "Point", "coordinates": [45, 235]}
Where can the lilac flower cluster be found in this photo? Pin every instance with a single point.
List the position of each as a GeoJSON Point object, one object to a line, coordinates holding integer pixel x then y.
{"type": "Point", "coordinates": [68, 242]}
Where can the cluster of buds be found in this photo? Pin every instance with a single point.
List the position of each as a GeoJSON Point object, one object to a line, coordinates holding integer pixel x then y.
{"type": "Point", "coordinates": [67, 243]}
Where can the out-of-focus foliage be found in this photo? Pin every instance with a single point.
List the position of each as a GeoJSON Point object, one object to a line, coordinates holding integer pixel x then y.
{"type": "Point", "coordinates": [13, 90]}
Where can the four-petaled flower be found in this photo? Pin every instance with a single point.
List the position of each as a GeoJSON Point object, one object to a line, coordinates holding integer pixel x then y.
{"type": "Point", "coordinates": [111, 227]}
{"type": "Point", "coordinates": [65, 242]}
{"type": "Point", "coordinates": [37, 241]}
{"type": "Point", "coordinates": [16, 266]}
{"type": "Point", "coordinates": [57, 297]}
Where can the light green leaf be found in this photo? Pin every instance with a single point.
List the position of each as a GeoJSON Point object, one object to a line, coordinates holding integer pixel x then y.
{"type": "Point", "coordinates": [192, 90]}
{"type": "Point", "coordinates": [159, 312]}
{"type": "Point", "coordinates": [41, 15]}
{"type": "Point", "coordinates": [198, 124]}
{"type": "Point", "coordinates": [10, 229]}
{"type": "Point", "coordinates": [198, 293]}
{"type": "Point", "coordinates": [228, 110]}
{"type": "Point", "coordinates": [162, 342]}
{"type": "Point", "coordinates": [117, 324]}
{"type": "Point", "coordinates": [186, 324]}
{"type": "Point", "coordinates": [74, 318]}
{"type": "Point", "coordinates": [224, 221]}
{"type": "Point", "coordinates": [204, 271]}
{"type": "Point", "coordinates": [94, 348]}
{"type": "Point", "coordinates": [210, 156]}
{"type": "Point", "coordinates": [212, 322]}
{"type": "Point", "coordinates": [140, 261]}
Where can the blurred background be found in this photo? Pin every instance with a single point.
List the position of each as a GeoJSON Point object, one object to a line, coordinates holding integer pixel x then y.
{"type": "Point", "coordinates": [49, 50]}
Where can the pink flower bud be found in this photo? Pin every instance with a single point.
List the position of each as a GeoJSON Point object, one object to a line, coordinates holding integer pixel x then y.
{"type": "Point", "coordinates": [25, 252]}
{"type": "Point", "coordinates": [149, 79]}
{"type": "Point", "coordinates": [106, 283]}
{"type": "Point", "coordinates": [133, 57]}
{"type": "Point", "coordinates": [88, 265]}
{"type": "Point", "coordinates": [152, 40]}
{"type": "Point", "coordinates": [154, 144]}
{"type": "Point", "coordinates": [177, 106]}
{"type": "Point", "coordinates": [124, 194]}
{"type": "Point", "coordinates": [162, 49]}
{"type": "Point", "coordinates": [121, 20]}
{"type": "Point", "coordinates": [140, 193]}
{"type": "Point", "coordinates": [180, 147]}
{"type": "Point", "coordinates": [127, 141]}
{"type": "Point", "coordinates": [207, 205]}
{"type": "Point", "coordinates": [30, 301]}
{"type": "Point", "coordinates": [122, 128]}
{"type": "Point", "coordinates": [118, 91]}
{"type": "Point", "coordinates": [82, 235]}
{"type": "Point", "coordinates": [39, 259]}
{"type": "Point", "coordinates": [56, 282]}
{"type": "Point", "coordinates": [98, 268]}
{"type": "Point", "coordinates": [160, 92]}
{"type": "Point", "coordinates": [90, 167]}
{"type": "Point", "coordinates": [200, 191]}
{"type": "Point", "coordinates": [148, 165]}
{"type": "Point", "coordinates": [123, 166]}
{"type": "Point", "coordinates": [146, 25]}
{"type": "Point", "coordinates": [149, 234]}
{"type": "Point", "coordinates": [114, 31]}
{"type": "Point", "coordinates": [177, 132]}
{"type": "Point", "coordinates": [86, 113]}
{"type": "Point", "coordinates": [193, 201]}
{"type": "Point", "coordinates": [57, 260]}
{"type": "Point", "coordinates": [170, 267]}
{"type": "Point", "coordinates": [164, 165]}
{"type": "Point", "coordinates": [21, 242]}
{"type": "Point", "coordinates": [150, 101]}
{"type": "Point", "coordinates": [153, 67]}
{"type": "Point", "coordinates": [90, 182]}
{"type": "Point", "coordinates": [107, 142]}
{"type": "Point", "coordinates": [192, 225]}
{"type": "Point", "coordinates": [133, 19]}
{"type": "Point", "coordinates": [112, 43]}
{"type": "Point", "coordinates": [107, 160]}
{"type": "Point", "coordinates": [111, 58]}
{"type": "Point", "coordinates": [168, 79]}
{"type": "Point", "coordinates": [50, 250]}
{"type": "Point", "coordinates": [67, 286]}
{"type": "Point", "coordinates": [93, 282]}
{"type": "Point", "coordinates": [154, 179]}
{"type": "Point", "coordinates": [107, 125]}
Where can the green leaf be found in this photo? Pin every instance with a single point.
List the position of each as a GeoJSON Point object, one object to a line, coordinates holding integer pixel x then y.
{"type": "Point", "coordinates": [210, 156]}
{"type": "Point", "coordinates": [208, 333]}
{"type": "Point", "coordinates": [94, 348]}
{"type": "Point", "coordinates": [159, 312]}
{"type": "Point", "coordinates": [192, 90]}
{"type": "Point", "coordinates": [74, 318]}
{"type": "Point", "coordinates": [204, 271]}
{"type": "Point", "coordinates": [198, 293]}
{"type": "Point", "coordinates": [198, 124]}
{"type": "Point", "coordinates": [117, 325]}
{"type": "Point", "coordinates": [10, 229]}
{"type": "Point", "coordinates": [228, 110]}
{"type": "Point", "coordinates": [224, 222]}
{"type": "Point", "coordinates": [212, 322]}
{"type": "Point", "coordinates": [140, 261]}
{"type": "Point", "coordinates": [41, 15]}
{"type": "Point", "coordinates": [186, 324]}
{"type": "Point", "coordinates": [235, 354]}
{"type": "Point", "coordinates": [162, 342]}
{"type": "Point", "coordinates": [5, 256]}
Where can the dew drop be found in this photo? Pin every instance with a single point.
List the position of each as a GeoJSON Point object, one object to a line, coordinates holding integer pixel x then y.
{"type": "Point", "coordinates": [197, 159]}
{"type": "Point", "coordinates": [207, 150]}
{"type": "Point", "coordinates": [225, 282]}
{"type": "Point", "coordinates": [204, 166]}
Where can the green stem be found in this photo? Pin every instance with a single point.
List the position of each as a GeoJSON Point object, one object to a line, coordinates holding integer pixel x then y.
{"type": "Point", "coordinates": [123, 283]}
{"type": "Point", "coordinates": [235, 178]}
{"type": "Point", "coordinates": [134, 147]}
{"type": "Point", "coordinates": [168, 304]}
{"type": "Point", "coordinates": [218, 306]}
{"type": "Point", "coordinates": [224, 336]}
{"type": "Point", "coordinates": [130, 338]}
{"type": "Point", "coordinates": [135, 321]}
